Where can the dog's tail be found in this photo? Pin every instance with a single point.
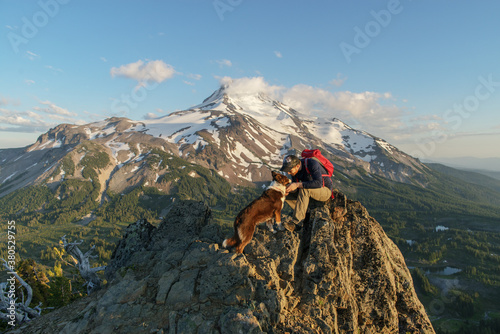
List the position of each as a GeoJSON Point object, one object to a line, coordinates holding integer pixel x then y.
{"type": "Point", "coordinates": [229, 242]}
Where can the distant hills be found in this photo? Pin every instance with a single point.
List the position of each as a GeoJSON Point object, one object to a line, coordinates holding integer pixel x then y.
{"type": "Point", "coordinates": [486, 166]}
{"type": "Point", "coordinates": [474, 176]}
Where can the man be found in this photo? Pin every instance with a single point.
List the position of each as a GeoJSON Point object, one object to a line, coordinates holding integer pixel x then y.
{"type": "Point", "coordinates": [308, 182]}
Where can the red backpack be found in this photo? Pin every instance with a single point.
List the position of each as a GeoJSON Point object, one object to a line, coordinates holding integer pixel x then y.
{"type": "Point", "coordinates": [316, 154]}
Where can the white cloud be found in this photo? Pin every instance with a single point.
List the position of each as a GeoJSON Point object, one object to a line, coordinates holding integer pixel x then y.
{"type": "Point", "coordinates": [34, 115]}
{"type": "Point", "coordinates": [39, 119]}
{"type": "Point", "coordinates": [104, 59]}
{"type": "Point", "coordinates": [368, 111]}
{"type": "Point", "coordinates": [224, 62]}
{"type": "Point", "coordinates": [12, 118]}
{"type": "Point", "coordinates": [15, 121]}
{"type": "Point", "coordinates": [151, 71]}
{"type": "Point", "coordinates": [278, 54]}
{"type": "Point", "coordinates": [29, 82]}
{"type": "Point", "coordinates": [53, 109]}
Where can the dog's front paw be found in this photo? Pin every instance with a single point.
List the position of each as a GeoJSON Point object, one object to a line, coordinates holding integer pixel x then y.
{"type": "Point", "coordinates": [270, 226]}
{"type": "Point", "coordinates": [280, 227]}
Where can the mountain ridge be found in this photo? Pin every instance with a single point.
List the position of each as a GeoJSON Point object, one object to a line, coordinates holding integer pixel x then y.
{"type": "Point", "coordinates": [238, 136]}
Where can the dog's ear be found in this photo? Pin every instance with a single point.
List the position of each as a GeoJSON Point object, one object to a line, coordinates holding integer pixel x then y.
{"type": "Point", "coordinates": [273, 173]}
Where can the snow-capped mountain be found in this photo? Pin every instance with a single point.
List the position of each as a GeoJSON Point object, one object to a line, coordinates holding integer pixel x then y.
{"type": "Point", "coordinates": [238, 135]}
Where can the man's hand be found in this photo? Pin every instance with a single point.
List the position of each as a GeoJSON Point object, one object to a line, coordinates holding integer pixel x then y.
{"type": "Point", "coordinates": [293, 186]}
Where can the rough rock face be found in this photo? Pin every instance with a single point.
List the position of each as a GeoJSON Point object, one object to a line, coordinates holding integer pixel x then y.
{"type": "Point", "coordinates": [339, 274]}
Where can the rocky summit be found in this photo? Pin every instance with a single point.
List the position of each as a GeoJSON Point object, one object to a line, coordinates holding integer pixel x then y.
{"type": "Point", "coordinates": [340, 273]}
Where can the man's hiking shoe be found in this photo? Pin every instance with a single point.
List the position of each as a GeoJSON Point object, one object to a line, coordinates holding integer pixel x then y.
{"type": "Point", "coordinates": [293, 225]}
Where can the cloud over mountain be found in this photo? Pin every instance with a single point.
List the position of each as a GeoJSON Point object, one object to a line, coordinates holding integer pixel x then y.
{"type": "Point", "coordinates": [251, 86]}
{"type": "Point", "coordinates": [371, 111]}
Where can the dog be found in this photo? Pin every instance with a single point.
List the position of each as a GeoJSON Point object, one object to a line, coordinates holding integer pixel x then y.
{"type": "Point", "coordinates": [267, 206]}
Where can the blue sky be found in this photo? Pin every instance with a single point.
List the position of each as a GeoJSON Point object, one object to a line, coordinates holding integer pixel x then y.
{"type": "Point", "coordinates": [424, 75]}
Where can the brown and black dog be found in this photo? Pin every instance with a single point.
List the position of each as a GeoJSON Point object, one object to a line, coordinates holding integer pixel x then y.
{"type": "Point", "coordinates": [268, 205]}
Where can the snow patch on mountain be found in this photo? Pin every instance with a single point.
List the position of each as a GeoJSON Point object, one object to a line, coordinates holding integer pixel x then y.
{"type": "Point", "coordinates": [9, 177]}
{"type": "Point", "coordinates": [385, 145]}
{"type": "Point", "coordinates": [99, 129]}
{"type": "Point", "coordinates": [119, 146]}
{"type": "Point", "coordinates": [242, 155]}
{"type": "Point", "coordinates": [182, 127]}
{"type": "Point", "coordinates": [222, 122]}
{"type": "Point", "coordinates": [51, 143]}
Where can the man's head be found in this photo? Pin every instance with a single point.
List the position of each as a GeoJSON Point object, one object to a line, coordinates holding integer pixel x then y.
{"type": "Point", "coordinates": [291, 165]}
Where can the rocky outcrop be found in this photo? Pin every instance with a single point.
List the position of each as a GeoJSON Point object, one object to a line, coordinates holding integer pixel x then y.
{"type": "Point", "coordinates": [339, 274]}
